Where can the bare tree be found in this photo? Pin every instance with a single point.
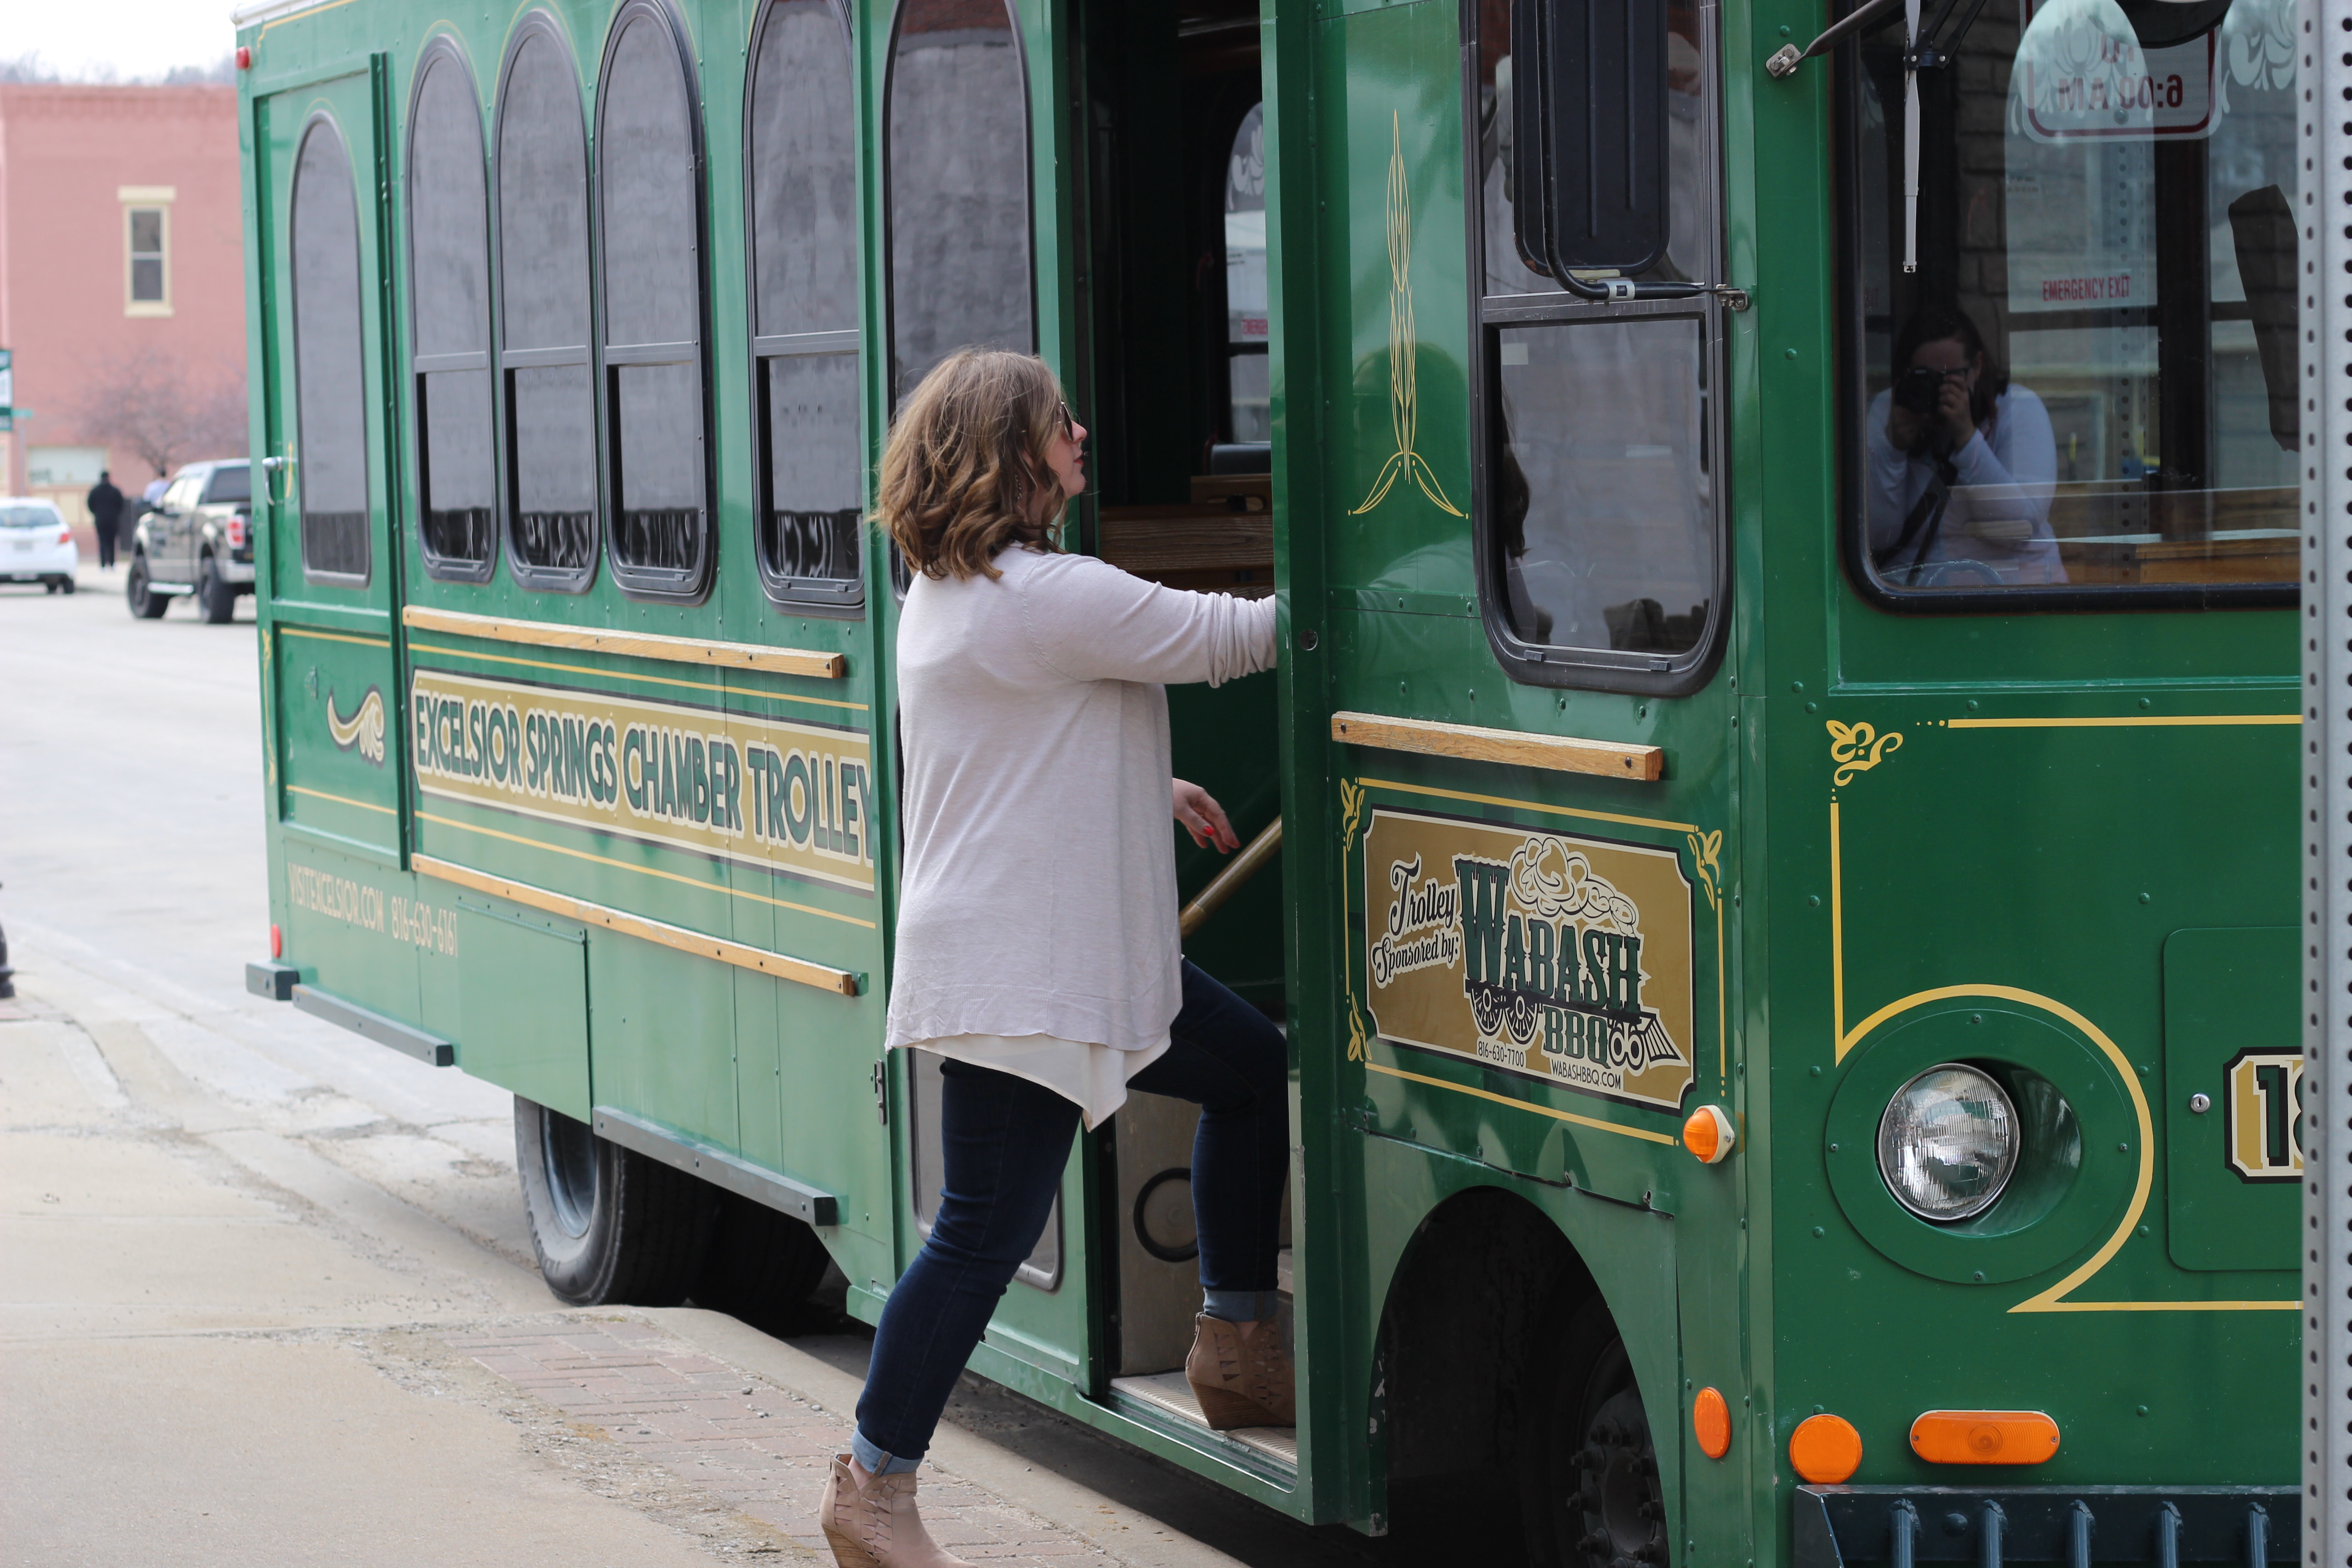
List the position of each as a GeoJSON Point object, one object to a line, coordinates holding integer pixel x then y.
{"type": "Point", "coordinates": [165, 411]}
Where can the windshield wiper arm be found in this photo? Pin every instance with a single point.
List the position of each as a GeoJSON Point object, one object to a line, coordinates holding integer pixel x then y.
{"type": "Point", "coordinates": [1787, 57]}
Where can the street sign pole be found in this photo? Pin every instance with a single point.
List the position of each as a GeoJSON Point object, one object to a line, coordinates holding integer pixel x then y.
{"type": "Point", "coordinates": [2324, 65]}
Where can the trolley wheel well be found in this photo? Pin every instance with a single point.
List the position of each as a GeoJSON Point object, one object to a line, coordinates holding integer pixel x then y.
{"type": "Point", "coordinates": [1458, 1349]}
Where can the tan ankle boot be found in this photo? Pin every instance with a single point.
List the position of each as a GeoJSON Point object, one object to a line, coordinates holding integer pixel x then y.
{"type": "Point", "coordinates": [875, 1525]}
{"type": "Point", "coordinates": [1241, 1381]}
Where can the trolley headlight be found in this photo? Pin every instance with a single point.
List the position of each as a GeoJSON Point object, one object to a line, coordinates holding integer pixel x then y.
{"type": "Point", "coordinates": [1948, 1143]}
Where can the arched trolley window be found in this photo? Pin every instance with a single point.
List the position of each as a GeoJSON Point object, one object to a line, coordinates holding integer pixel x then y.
{"type": "Point", "coordinates": [956, 168]}
{"type": "Point", "coordinates": [541, 172]}
{"type": "Point", "coordinates": [449, 273]}
{"type": "Point", "coordinates": [957, 128]}
{"type": "Point", "coordinates": [801, 163]}
{"type": "Point", "coordinates": [649, 242]}
{"type": "Point", "coordinates": [329, 367]}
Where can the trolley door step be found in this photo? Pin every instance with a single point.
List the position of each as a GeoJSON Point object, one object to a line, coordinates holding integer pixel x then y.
{"type": "Point", "coordinates": [1167, 1392]}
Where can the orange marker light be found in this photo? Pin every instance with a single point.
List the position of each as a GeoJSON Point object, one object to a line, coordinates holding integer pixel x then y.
{"type": "Point", "coordinates": [1711, 1423]}
{"type": "Point", "coordinates": [1825, 1450]}
{"type": "Point", "coordinates": [1984, 1436]}
{"type": "Point", "coordinates": [1709, 1134]}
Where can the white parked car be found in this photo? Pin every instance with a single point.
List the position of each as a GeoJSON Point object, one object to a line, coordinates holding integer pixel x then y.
{"type": "Point", "coordinates": [35, 546]}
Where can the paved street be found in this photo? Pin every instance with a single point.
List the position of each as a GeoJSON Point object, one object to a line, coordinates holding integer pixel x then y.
{"type": "Point", "coordinates": [265, 1296]}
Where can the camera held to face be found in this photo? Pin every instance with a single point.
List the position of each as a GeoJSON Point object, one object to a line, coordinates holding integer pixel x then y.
{"type": "Point", "coordinates": [1920, 389]}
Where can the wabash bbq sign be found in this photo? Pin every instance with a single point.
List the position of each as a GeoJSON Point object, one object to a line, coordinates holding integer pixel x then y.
{"type": "Point", "coordinates": [1560, 958]}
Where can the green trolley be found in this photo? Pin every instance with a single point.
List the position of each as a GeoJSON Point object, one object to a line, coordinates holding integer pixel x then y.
{"type": "Point", "coordinates": [1770, 836]}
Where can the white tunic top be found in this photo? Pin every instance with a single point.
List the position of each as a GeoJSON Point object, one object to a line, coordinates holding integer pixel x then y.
{"type": "Point", "coordinates": [1038, 897]}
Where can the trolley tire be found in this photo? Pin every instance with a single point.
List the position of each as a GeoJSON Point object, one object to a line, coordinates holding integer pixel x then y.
{"type": "Point", "coordinates": [1589, 1487]}
{"type": "Point", "coordinates": [608, 1225]}
{"type": "Point", "coordinates": [215, 600]}
{"type": "Point", "coordinates": [762, 1266]}
{"type": "Point", "coordinates": [145, 603]}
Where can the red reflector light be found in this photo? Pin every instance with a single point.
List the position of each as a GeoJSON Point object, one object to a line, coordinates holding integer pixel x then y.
{"type": "Point", "coordinates": [236, 532]}
{"type": "Point", "coordinates": [64, 536]}
{"type": "Point", "coordinates": [277, 942]}
{"type": "Point", "coordinates": [243, 59]}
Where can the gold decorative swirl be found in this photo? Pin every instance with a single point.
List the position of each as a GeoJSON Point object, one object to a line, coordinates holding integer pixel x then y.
{"type": "Point", "coordinates": [1403, 345]}
{"type": "Point", "coordinates": [1858, 748]}
{"type": "Point", "coordinates": [1353, 797]}
{"type": "Point", "coordinates": [363, 729]}
{"type": "Point", "coordinates": [1707, 850]}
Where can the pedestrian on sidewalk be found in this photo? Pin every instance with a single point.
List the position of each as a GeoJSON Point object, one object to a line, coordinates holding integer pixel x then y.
{"type": "Point", "coordinates": [105, 503]}
{"type": "Point", "coordinates": [1037, 944]}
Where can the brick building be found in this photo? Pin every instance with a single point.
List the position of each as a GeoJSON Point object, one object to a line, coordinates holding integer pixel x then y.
{"type": "Point", "coordinates": [122, 281]}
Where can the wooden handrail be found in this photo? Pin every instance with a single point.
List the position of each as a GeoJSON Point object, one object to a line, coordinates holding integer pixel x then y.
{"type": "Point", "coordinates": [1227, 882]}
{"type": "Point", "coordinates": [633, 645]}
{"type": "Point", "coordinates": [1559, 754]}
{"type": "Point", "coordinates": [742, 955]}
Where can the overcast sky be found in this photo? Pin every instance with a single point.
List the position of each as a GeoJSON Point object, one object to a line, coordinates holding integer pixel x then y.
{"type": "Point", "coordinates": [134, 38]}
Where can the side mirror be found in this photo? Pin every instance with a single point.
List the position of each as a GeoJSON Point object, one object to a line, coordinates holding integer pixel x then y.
{"type": "Point", "coordinates": [1590, 127]}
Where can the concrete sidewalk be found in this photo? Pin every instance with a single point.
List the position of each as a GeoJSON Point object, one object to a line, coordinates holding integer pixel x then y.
{"type": "Point", "coordinates": [219, 1344]}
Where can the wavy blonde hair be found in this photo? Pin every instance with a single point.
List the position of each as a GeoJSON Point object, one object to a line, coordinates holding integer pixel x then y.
{"type": "Point", "coordinates": [964, 473]}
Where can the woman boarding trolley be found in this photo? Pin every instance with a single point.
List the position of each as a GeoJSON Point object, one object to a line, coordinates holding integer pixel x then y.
{"type": "Point", "coordinates": [1039, 954]}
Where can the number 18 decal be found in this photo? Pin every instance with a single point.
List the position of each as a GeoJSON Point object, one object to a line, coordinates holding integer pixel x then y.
{"type": "Point", "coordinates": [2264, 1123]}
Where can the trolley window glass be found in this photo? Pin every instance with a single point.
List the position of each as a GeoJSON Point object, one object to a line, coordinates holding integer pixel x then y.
{"type": "Point", "coordinates": [649, 171]}
{"type": "Point", "coordinates": [1599, 524]}
{"type": "Point", "coordinates": [2075, 373]}
{"type": "Point", "coordinates": [542, 207]}
{"type": "Point", "coordinates": [330, 370]}
{"type": "Point", "coordinates": [957, 157]}
{"type": "Point", "coordinates": [805, 350]}
{"type": "Point", "coordinates": [449, 273]}
{"type": "Point", "coordinates": [1249, 378]}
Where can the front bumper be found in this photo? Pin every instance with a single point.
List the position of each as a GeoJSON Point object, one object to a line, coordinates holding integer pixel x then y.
{"type": "Point", "coordinates": [2077, 1526]}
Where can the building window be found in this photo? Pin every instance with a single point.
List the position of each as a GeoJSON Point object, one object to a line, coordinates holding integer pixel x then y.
{"type": "Point", "coordinates": [544, 317]}
{"type": "Point", "coordinates": [330, 368]}
{"type": "Point", "coordinates": [449, 262]}
{"type": "Point", "coordinates": [804, 351]}
{"type": "Point", "coordinates": [146, 244]}
{"type": "Point", "coordinates": [648, 180]}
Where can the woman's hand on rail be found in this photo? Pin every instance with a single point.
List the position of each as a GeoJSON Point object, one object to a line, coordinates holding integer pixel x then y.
{"type": "Point", "coordinates": [1202, 817]}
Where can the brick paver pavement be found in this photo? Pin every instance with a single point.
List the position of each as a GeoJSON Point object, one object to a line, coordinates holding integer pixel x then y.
{"type": "Point", "coordinates": [760, 1449]}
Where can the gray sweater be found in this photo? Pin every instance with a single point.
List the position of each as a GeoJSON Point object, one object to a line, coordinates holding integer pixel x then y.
{"type": "Point", "coordinates": [1039, 891]}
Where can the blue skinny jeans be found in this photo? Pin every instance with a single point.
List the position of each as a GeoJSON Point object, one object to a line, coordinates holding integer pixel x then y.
{"type": "Point", "coordinates": [1004, 1143]}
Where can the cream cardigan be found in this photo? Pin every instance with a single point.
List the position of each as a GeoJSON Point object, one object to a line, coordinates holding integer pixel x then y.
{"type": "Point", "coordinates": [1038, 896]}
